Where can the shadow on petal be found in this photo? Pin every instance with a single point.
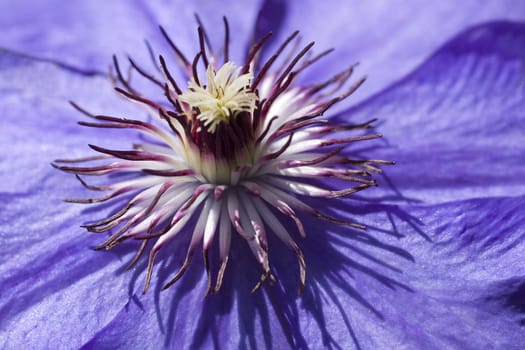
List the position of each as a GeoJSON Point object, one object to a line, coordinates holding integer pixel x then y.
{"type": "Point", "coordinates": [337, 260]}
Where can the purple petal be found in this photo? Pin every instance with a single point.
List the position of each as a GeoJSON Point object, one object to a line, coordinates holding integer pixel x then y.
{"type": "Point", "coordinates": [455, 126]}
{"type": "Point", "coordinates": [39, 125]}
{"type": "Point", "coordinates": [183, 318]}
{"type": "Point", "coordinates": [388, 38]}
{"type": "Point", "coordinates": [49, 273]}
{"type": "Point", "coordinates": [56, 292]}
{"type": "Point", "coordinates": [442, 276]}
{"type": "Point", "coordinates": [87, 33]}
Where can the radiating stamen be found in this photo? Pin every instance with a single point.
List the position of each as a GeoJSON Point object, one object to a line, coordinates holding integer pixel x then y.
{"type": "Point", "coordinates": [236, 151]}
{"type": "Point", "coordinates": [226, 39]}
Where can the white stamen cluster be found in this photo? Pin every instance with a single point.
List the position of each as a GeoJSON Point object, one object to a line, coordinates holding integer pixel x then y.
{"type": "Point", "coordinates": [226, 94]}
{"type": "Point", "coordinates": [237, 154]}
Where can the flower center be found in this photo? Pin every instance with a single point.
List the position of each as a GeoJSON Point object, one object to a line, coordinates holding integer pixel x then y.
{"type": "Point", "coordinates": [226, 94]}
{"type": "Point", "coordinates": [221, 112]}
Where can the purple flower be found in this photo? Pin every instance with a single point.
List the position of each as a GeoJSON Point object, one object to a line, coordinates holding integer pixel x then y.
{"type": "Point", "coordinates": [440, 266]}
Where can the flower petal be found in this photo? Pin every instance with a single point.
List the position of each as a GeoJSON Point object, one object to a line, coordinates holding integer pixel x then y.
{"type": "Point", "coordinates": [47, 268]}
{"type": "Point", "coordinates": [39, 125]}
{"type": "Point", "coordinates": [87, 33]}
{"type": "Point", "coordinates": [386, 37]}
{"type": "Point", "coordinates": [455, 126]}
{"type": "Point", "coordinates": [441, 276]}
{"type": "Point", "coordinates": [183, 318]}
{"type": "Point", "coordinates": [56, 292]}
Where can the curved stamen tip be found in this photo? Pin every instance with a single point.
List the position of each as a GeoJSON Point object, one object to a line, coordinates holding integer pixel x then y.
{"type": "Point", "coordinates": [267, 275]}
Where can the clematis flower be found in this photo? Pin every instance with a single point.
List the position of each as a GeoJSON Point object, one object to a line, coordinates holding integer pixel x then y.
{"type": "Point", "coordinates": [440, 265]}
